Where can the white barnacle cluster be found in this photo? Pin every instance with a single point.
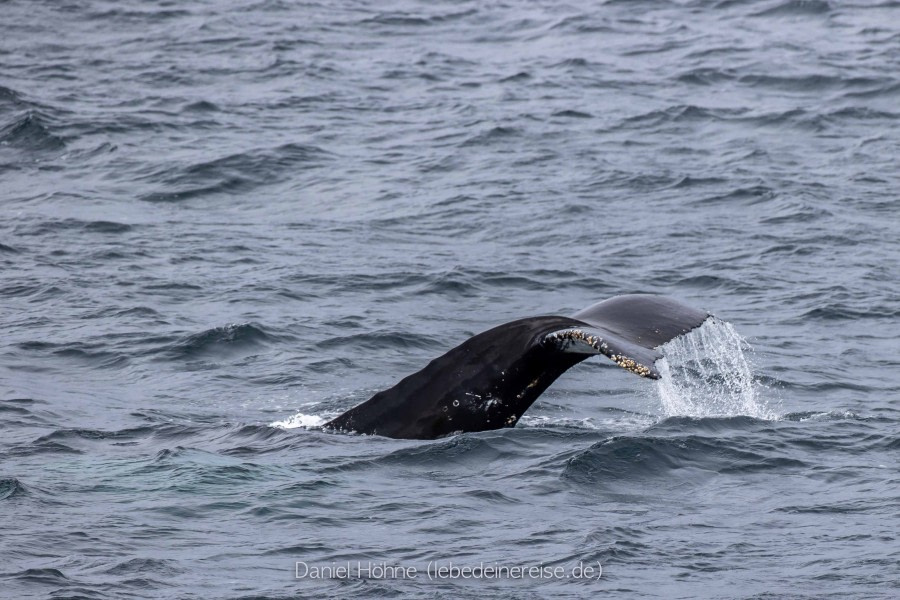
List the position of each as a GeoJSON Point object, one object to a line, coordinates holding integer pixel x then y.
{"type": "Point", "coordinates": [630, 364]}
{"type": "Point", "coordinates": [571, 336]}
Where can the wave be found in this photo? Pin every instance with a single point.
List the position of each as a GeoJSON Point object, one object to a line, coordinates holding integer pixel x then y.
{"type": "Point", "coordinates": [748, 196]}
{"type": "Point", "coordinates": [235, 173]}
{"type": "Point", "coordinates": [142, 565]}
{"type": "Point", "coordinates": [51, 226]}
{"type": "Point", "coordinates": [93, 353]}
{"type": "Point", "coordinates": [796, 8]}
{"type": "Point", "coordinates": [706, 76]}
{"type": "Point", "coordinates": [803, 213]}
{"type": "Point", "coordinates": [219, 341]}
{"type": "Point", "coordinates": [628, 462]}
{"type": "Point", "coordinates": [497, 134]}
{"type": "Point", "coordinates": [813, 82]}
{"type": "Point", "coordinates": [415, 20]}
{"type": "Point", "coordinates": [384, 340]}
{"type": "Point", "coordinates": [679, 113]}
{"type": "Point", "coordinates": [11, 488]}
{"type": "Point", "coordinates": [28, 137]}
{"type": "Point", "coordinates": [11, 98]}
{"type": "Point", "coordinates": [573, 114]}
{"type": "Point", "coordinates": [169, 440]}
{"type": "Point", "coordinates": [843, 312]}
{"type": "Point", "coordinates": [47, 576]}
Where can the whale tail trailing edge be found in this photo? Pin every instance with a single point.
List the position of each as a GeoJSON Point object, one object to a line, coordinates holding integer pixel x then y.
{"type": "Point", "coordinates": [491, 379]}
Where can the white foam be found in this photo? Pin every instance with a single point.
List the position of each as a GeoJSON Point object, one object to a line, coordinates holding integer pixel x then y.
{"type": "Point", "coordinates": [544, 421]}
{"type": "Point", "coordinates": [707, 373]}
{"type": "Point", "coordinates": [299, 420]}
{"type": "Point", "coordinates": [631, 421]}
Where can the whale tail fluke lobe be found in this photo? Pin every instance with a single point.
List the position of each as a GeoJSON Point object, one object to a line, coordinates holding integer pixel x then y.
{"type": "Point", "coordinates": [646, 320]}
{"type": "Point", "coordinates": [491, 379]}
{"type": "Point", "coordinates": [629, 329]}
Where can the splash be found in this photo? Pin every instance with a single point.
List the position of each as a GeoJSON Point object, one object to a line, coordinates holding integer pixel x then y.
{"type": "Point", "coordinates": [706, 373]}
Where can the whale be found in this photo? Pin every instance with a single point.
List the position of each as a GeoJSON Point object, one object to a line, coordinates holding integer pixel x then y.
{"type": "Point", "coordinates": [491, 379]}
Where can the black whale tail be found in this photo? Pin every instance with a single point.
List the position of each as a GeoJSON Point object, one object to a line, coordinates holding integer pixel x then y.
{"type": "Point", "coordinates": [491, 379]}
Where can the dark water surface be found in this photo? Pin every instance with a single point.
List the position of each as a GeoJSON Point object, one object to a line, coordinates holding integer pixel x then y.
{"type": "Point", "coordinates": [219, 216]}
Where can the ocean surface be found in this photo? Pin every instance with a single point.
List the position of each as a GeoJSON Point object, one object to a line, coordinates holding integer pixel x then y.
{"type": "Point", "coordinates": [224, 222]}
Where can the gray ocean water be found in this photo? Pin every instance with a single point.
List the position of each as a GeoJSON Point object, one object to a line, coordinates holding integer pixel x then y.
{"type": "Point", "coordinates": [223, 222]}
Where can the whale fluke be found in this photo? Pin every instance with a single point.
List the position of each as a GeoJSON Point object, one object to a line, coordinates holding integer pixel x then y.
{"type": "Point", "coordinates": [491, 379]}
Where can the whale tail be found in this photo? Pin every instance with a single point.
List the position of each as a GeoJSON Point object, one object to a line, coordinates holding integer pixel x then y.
{"type": "Point", "coordinates": [629, 329]}
{"type": "Point", "coordinates": [491, 379]}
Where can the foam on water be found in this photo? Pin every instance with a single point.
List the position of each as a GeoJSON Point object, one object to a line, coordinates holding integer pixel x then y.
{"type": "Point", "coordinates": [706, 373]}
{"type": "Point", "coordinates": [625, 422]}
{"type": "Point", "coordinates": [299, 420]}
